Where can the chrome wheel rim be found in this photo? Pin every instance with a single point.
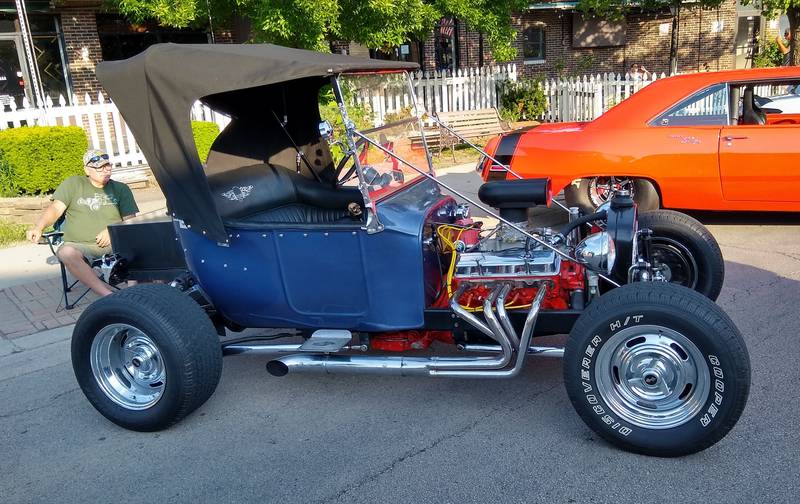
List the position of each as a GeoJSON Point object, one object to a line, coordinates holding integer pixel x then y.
{"type": "Point", "coordinates": [652, 377]}
{"type": "Point", "coordinates": [128, 366]}
{"type": "Point", "coordinates": [601, 189]}
{"type": "Point", "coordinates": [673, 261]}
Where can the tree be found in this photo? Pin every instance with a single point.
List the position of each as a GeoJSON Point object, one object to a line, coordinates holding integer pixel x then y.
{"type": "Point", "coordinates": [616, 9]}
{"type": "Point", "coordinates": [311, 24]}
{"type": "Point", "coordinates": [773, 9]}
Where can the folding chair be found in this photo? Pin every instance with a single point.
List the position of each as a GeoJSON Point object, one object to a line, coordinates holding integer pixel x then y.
{"type": "Point", "coordinates": [109, 266]}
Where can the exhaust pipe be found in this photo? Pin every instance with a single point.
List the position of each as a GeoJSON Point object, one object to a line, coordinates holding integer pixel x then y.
{"type": "Point", "coordinates": [458, 367]}
{"type": "Point", "coordinates": [541, 351]}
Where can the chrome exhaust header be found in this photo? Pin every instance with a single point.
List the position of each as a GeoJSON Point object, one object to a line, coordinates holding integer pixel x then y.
{"type": "Point", "coordinates": [453, 367]}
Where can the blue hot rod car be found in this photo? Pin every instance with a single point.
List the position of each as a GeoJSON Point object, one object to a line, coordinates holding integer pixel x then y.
{"type": "Point", "coordinates": [345, 237]}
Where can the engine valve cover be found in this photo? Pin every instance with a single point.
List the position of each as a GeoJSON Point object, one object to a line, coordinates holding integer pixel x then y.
{"type": "Point", "coordinates": [507, 263]}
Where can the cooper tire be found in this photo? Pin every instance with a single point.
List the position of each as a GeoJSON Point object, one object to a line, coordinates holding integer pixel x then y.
{"type": "Point", "coordinates": [579, 194]}
{"type": "Point", "coordinates": [652, 332]}
{"type": "Point", "coordinates": [146, 357]}
{"type": "Point", "coordinates": [686, 250]}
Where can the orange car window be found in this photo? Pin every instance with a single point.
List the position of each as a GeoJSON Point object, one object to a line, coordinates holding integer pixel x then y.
{"type": "Point", "coordinates": [704, 108]}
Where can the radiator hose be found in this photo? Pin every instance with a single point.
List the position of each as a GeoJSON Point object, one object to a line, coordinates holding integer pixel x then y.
{"type": "Point", "coordinates": [583, 220]}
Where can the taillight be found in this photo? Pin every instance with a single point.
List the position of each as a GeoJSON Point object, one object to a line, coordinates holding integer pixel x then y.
{"type": "Point", "coordinates": [496, 172]}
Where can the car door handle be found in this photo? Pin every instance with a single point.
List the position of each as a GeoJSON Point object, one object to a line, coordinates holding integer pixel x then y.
{"type": "Point", "coordinates": [729, 138]}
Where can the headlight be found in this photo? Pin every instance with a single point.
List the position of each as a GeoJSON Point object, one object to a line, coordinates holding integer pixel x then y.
{"type": "Point", "coordinates": [597, 251]}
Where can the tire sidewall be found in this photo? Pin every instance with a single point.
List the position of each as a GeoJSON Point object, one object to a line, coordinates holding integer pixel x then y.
{"type": "Point", "coordinates": [101, 314]}
{"type": "Point", "coordinates": [580, 377]}
{"type": "Point", "coordinates": [705, 256]}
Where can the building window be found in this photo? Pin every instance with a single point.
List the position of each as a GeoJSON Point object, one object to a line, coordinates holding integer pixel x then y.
{"type": "Point", "coordinates": [48, 53]}
{"type": "Point", "coordinates": [533, 43]}
{"type": "Point", "coordinates": [120, 39]}
{"type": "Point", "coordinates": [446, 44]}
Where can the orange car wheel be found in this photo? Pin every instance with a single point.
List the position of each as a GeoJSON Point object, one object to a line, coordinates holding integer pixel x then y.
{"type": "Point", "coordinates": [589, 193]}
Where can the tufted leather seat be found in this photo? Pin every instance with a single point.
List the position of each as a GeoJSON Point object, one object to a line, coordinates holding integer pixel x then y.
{"type": "Point", "coordinates": [266, 194]}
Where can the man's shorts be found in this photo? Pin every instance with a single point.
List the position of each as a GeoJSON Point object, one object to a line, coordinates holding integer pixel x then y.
{"type": "Point", "coordinates": [89, 250]}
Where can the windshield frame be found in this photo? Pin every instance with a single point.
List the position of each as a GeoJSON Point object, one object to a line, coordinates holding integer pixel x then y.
{"type": "Point", "coordinates": [353, 135]}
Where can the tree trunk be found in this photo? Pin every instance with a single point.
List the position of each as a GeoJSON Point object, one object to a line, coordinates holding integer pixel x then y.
{"type": "Point", "coordinates": [793, 13]}
{"type": "Point", "coordinates": [240, 28]}
{"type": "Point", "coordinates": [673, 47]}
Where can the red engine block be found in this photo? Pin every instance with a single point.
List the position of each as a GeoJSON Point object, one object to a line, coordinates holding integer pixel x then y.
{"type": "Point", "coordinates": [557, 298]}
{"type": "Point", "coordinates": [570, 278]}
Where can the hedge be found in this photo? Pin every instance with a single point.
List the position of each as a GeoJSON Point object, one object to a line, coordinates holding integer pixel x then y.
{"type": "Point", "coordinates": [36, 159]}
{"type": "Point", "coordinates": [204, 135]}
{"type": "Point", "coordinates": [522, 100]}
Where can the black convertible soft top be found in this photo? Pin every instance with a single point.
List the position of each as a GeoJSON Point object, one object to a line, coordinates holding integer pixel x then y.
{"type": "Point", "coordinates": [155, 91]}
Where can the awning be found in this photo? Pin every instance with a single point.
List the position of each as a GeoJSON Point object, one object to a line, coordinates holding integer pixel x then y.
{"type": "Point", "coordinates": [553, 6]}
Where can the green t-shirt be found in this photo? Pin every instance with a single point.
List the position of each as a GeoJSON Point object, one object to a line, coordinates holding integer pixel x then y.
{"type": "Point", "coordinates": [90, 209]}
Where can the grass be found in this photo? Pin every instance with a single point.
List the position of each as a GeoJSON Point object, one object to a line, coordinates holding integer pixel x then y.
{"type": "Point", "coordinates": [11, 233]}
{"type": "Point", "coordinates": [463, 153]}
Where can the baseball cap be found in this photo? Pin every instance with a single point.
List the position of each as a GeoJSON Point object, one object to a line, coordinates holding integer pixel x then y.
{"type": "Point", "coordinates": [95, 158]}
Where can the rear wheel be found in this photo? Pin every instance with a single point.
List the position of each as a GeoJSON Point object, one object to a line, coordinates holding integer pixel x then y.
{"type": "Point", "coordinates": [657, 369]}
{"type": "Point", "coordinates": [146, 357]}
{"type": "Point", "coordinates": [589, 193]}
{"type": "Point", "coordinates": [684, 252]}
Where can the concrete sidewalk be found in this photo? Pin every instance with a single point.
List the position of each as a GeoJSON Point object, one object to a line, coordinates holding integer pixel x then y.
{"type": "Point", "coordinates": [37, 306]}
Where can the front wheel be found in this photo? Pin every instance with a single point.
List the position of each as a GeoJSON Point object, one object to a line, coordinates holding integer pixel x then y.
{"type": "Point", "coordinates": [684, 252]}
{"type": "Point", "coordinates": [657, 369]}
{"type": "Point", "coordinates": [146, 357]}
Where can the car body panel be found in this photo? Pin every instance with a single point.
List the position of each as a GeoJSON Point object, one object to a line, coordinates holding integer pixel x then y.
{"type": "Point", "coordinates": [683, 162]}
{"type": "Point", "coordinates": [334, 276]}
{"type": "Point", "coordinates": [749, 173]}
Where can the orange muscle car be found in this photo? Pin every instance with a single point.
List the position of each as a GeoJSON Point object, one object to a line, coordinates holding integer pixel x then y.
{"type": "Point", "coordinates": [696, 141]}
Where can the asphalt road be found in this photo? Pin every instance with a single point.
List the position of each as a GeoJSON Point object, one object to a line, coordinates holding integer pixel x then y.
{"type": "Point", "coordinates": [313, 439]}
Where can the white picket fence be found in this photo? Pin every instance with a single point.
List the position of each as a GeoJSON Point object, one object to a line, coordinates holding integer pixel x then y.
{"type": "Point", "coordinates": [440, 91]}
{"type": "Point", "coordinates": [105, 128]}
{"type": "Point", "coordinates": [569, 99]}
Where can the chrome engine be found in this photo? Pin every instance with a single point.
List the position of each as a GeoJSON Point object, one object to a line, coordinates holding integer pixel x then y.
{"type": "Point", "coordinates": [509, 253]}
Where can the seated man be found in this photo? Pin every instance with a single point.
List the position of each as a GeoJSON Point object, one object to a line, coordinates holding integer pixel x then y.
{"type": "Point", "coordinates": [91, 203]}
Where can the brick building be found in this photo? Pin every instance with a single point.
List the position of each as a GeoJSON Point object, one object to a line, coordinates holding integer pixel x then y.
{"type": "Point", "coordinates": [70, 37]}
{"type": "Point", "coordinates": [553, 39]}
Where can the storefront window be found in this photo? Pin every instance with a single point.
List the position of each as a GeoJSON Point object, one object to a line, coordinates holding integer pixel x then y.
{"type": "Point", "coordinates": [48, 49]}
{"type": "Point", "coordinates": [120, 39]}
{"type": "Point", "coordinates": [12, 83]}
{"type": "Point", "coordinates": [52, 70]}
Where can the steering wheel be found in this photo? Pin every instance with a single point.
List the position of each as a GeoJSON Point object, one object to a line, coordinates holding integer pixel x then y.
{"type": "Point", "coordinates": [373, 178]}
{"type": "Point", "coordinates": [343, 179]}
